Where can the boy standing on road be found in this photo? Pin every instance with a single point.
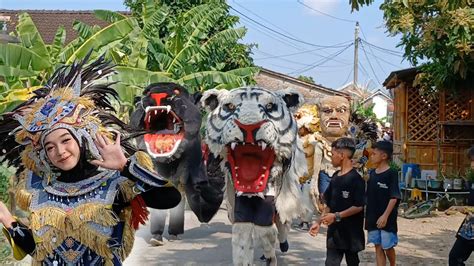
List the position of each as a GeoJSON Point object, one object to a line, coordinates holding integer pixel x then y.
{"type": "Point", "coordinates": [383, 196]}
{"type": "Point", "coordinates": [344, 214]}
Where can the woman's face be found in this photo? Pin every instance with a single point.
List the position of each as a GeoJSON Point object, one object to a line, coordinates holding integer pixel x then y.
{"type": "Point", "coordinates": [62, 149]}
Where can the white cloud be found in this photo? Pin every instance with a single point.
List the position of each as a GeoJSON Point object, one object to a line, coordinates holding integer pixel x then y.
{"type": "Point", "coordinates": [325, 6]}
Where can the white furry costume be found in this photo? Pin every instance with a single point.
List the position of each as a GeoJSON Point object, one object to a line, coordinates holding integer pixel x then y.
{"type": "Point", "coordinates": [254, 132]}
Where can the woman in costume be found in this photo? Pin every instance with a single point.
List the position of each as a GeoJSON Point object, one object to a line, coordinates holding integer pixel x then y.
{"type": "Point", "coordinates": [84, 196]}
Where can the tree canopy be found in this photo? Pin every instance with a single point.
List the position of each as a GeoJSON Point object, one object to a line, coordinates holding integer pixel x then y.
{"type": "Point", "coordinates": [436, 36]}
{"type": "Point", "coordinates": [306, 78]}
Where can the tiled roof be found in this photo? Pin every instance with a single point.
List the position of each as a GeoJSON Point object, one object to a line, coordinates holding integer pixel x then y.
{"type": "Point", "coordinates": [48, 21]}
{"type": "Point", "coordinates": [312, 86]}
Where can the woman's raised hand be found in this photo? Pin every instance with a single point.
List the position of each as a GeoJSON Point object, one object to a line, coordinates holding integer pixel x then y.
{"type": "Point", "coordinates": [113, 157]}
{"type": "Point", "coordinates": [6, 218]}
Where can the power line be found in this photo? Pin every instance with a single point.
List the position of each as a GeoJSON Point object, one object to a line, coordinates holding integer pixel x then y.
{"type": "Point", "coordinates": [392, 52]}
{"type": "Point", "coordinates": [281, 34]}
{"type": "Point", "coordinates": [279, 39]}
{"type": "Point", "coordinates": [370, 48]}
{"type": "Point", "coordinates": [363, 69]}
{"type": "Point", "coordinates": [280, 66]}
{"type": "Point", "coordinates": [297, 53]}
{"type": "Point", "coordinates": [330, 57]}
{"type": "Point", "coordinates": [258, 16]}
{"type": "Point", "coordinates": [347, 78]}
{"type": "Point", "coordinates": [383, 60]}
{"type": "Point", "coordinates": [370, 64]}
{"type": "Point", "coordinates": [283, 59]}
{"type": "Point", "coordinates": [326, 14]}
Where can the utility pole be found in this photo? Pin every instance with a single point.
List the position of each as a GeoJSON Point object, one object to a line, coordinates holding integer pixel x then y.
{"type": "Point", "coordinates": [356, 53]}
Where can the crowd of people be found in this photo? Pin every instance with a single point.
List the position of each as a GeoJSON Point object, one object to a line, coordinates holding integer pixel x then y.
{"type": "Point", "coordinates": [87, 188]}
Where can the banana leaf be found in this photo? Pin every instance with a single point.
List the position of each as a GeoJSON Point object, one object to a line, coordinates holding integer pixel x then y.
{"type": "Point", "coordinates": [139, 77]}
{"type": "Point", "coordinates": [113, 32]}
{"type": "Point", "coordinates": [109, 16]}
{"type": "Point", "coordinates": [30, 37]}
{"type": "Point", "coordinates": [22, 58]}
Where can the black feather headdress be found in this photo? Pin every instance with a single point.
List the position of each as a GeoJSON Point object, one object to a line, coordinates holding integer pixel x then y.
{"type": "Point", "coordinates": [77, 97]}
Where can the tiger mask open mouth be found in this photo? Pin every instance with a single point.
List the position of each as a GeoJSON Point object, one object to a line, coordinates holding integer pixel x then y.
{"type": "Point", "coordinates": [254, 132]}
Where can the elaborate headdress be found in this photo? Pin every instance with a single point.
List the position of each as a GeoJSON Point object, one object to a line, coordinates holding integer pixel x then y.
{"type": "Point", "coordinates": [73, 99]}
{"type": "Point", "coordinates": [307, 117]}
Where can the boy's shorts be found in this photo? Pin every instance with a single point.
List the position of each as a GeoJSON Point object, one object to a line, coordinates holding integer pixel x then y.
{"type": "Point", "coordinates": [384, 238]}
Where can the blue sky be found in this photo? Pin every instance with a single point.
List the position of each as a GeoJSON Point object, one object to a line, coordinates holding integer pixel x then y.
{"type": "Point", "coordinates": [310, 32]}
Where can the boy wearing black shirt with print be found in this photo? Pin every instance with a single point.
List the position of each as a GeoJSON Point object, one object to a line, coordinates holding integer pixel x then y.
{"type": "Point", "coordinates": [345, 204]}
{"type": "Point", "coordinates": [383, 195]}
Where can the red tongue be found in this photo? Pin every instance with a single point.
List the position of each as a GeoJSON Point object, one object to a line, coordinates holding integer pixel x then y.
{"type": "Point", "coordinates": [250, 166]}
{"type": "Point", "coordinates": [161, 143]}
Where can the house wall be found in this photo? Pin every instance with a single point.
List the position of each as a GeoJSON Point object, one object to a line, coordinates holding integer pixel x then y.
{"type": "Point", "coordinates": [380, 106]}
{"type": "Point", "coordinates": [430, 147]}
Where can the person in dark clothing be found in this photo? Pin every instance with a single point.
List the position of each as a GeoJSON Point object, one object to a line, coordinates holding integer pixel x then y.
{"type": "Point", "coordinates": [464, 244]}
{"type": "Point", "coordinates": [345, 204]}
{"type": "Point", "coordinates": [383, 196]}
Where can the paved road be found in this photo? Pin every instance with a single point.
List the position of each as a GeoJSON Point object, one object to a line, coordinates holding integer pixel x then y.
{"type": "Point", "coordinates": [210, 244]}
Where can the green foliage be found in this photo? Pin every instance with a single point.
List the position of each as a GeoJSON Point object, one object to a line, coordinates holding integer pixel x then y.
{"type": "Point", "coordinates": [437, 34]}
{"type": "Point", "coordinates": [193, 43]}
{"type": "Point", "coordinates": [469, 174]}
{"type": "Point", "coordinates": [306, 78]}
{"type": "Point", "coordinates": [356, 4]}
{"type": "Point", "coordinates": [5, 174]}
{"type": "Point", "coordinates": [395, 166]}
{"type": "Point", "coordinates": [365, 111]}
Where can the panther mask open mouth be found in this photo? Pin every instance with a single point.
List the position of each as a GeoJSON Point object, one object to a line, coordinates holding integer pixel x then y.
{"type": "Point", "coordinates": [166, 131]}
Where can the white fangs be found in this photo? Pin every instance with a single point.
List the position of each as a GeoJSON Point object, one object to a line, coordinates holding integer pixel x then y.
{"type": "Point", "coordinates": [264, 145]}
{"type": "Point", "coordinates": [232, 145]}
{"type": "Point", "coordinates": [168, 108]}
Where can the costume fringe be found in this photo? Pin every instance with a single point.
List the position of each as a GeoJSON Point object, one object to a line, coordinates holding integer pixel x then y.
{"type": "Point", "coordinates": [97, 213]}
{"type": "Point", "coordinates": [128, 234]}
{"type": "Point", "coordinates": [56, 217]}
{"type": "Point", "coordinates": [22, 196]}
{"type": "Point", "coordinates": [126, 188]}
{"type": "Point", "coordinates": [51, 216]}
{"type": "Point", "coordinates": [144, 160]}
{"type": "Point", "coordinates": [93, 240]}
{"type": "Point", "coordinates": [44, 244]}
{"type": "Point", "coordinates": [75, 225]}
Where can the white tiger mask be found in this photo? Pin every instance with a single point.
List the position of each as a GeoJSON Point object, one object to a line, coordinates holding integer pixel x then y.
{"type": "Point", "coordinates": [255, 133]}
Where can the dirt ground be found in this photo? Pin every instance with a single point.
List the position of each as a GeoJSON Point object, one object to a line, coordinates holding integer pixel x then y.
{"type": "Point", "coordinates": [423, 241]}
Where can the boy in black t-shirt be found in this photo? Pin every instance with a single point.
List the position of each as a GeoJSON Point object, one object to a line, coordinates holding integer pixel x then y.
{"type": "Point", "coordinates": [383, 195]}
{"type": "Point", "coordinates": [344, 211]}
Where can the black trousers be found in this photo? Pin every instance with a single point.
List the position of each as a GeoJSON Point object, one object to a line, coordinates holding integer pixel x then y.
{"type": "Point", "coordinates": [334, 257]}
{"type": "Point", "coordinates": [460, 251]}
{"type": "Point", "coordinates": [176, 223]}
{"type": "Point", "coordinates": [254, 210]}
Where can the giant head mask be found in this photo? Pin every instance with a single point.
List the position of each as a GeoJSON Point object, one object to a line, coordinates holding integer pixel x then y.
{"type": "Point", "coordinates": [334, 114]}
